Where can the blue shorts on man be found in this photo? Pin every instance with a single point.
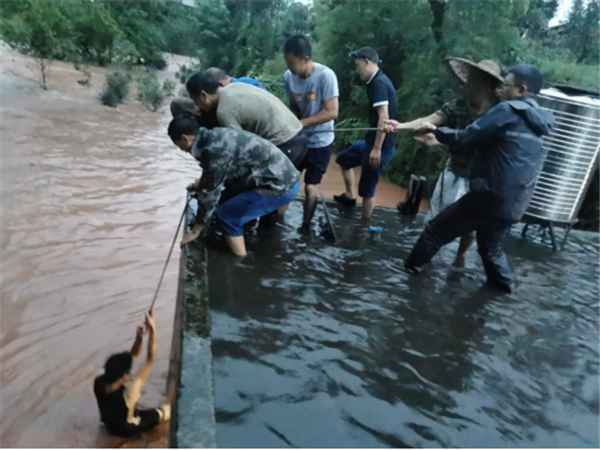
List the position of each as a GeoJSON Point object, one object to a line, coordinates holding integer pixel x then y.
{"type": "Point", "coordinates": [357, 155]}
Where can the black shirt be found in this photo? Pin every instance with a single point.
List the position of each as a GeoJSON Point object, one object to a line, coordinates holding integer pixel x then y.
{"type": "Point", "coordinates": [112, 406]}
{"type": "Point", "coordinates": [114, 411]}
{"type": "Point", "coordinates": [381, 91]}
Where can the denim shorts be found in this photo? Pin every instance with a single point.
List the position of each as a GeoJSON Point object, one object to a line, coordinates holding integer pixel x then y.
{"type": "Point", "coordinates": [358, 155]}
{"type": "Point", "coordinates": [236, 212]}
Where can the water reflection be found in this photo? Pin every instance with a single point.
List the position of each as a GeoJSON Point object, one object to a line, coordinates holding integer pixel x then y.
{"type": "Point", "coordinates": [320, 345]}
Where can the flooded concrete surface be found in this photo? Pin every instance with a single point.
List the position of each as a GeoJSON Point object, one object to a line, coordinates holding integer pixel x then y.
{"type": "Point", "coordinates": [90, 197]}
{"type": "Point", "coordinates": [320, 345]}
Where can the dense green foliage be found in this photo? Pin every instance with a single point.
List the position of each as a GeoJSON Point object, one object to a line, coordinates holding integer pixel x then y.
{"type": "Point", "coordinates": [149, 90]}
{"type": "Point", "coordinates": [245, 37]}
{"type": "Point", "coordinates": [413, 38]}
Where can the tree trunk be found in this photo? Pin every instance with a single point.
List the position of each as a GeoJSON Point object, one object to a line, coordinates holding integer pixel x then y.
{"type": "Point", "coordinates": [584, 53]}
{"type": "Point", "coordinates": [438, 11]}
{"type": "Point", "coordinates": [43, 68]}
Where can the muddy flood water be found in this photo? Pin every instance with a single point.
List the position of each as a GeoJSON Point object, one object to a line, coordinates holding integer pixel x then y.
{"type": "Point", "coordinates": [89, 199]}
{"type": "Point", "coordinates": [318, 345]}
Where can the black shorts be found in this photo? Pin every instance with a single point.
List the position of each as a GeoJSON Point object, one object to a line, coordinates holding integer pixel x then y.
{"type": "Point", "coordinates": [315, 162]}
{"type": "Point", "coordinates": [295, 149]}
{"type": "Point", "coordinates": [149, 418]}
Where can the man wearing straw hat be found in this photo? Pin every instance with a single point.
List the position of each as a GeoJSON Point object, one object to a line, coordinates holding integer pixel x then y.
{"type": "Point", "coordinates": [508, 156]}
{"type": "Point", "coordinates": [477, 82]}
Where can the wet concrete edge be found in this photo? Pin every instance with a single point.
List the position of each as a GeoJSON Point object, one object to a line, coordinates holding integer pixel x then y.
{"type": "Point", "coordinates": [190, 373]}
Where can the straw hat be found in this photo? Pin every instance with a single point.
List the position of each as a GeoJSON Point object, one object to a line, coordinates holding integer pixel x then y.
{"type": "Point", "coordinates": [461, 67]}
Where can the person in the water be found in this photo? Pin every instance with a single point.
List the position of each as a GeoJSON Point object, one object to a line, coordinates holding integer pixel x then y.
{"type": "Point", "coordinates": [256, 176]}
{"type": "Point", "coordinates": [118, 392]}
{"type": "Point", "coordinates": [508, 157]}
{"type": "Point", "coordinates": [477, 83]}
{"type": "Point", "coordinates": [375, 151]}
{"type": "Point", "coordinates": [312, 90]}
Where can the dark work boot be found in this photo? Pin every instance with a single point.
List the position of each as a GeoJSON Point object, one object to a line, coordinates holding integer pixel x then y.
{"type": "Point", "coordinates": [344, 200]}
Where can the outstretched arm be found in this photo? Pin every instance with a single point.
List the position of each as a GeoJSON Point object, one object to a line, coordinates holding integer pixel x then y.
{"type": "Point", "coordinates": [134, 389]}
{"type": "Point", "coordinates": [137, 343]}
{"type": "Point", "coordinates": [393, 126]}
{"type": "Point", "coordinates": [486, 127]}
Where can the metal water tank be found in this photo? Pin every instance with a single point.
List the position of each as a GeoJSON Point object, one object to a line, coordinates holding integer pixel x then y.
{"type": "Point", "coordinates": [572, 150]}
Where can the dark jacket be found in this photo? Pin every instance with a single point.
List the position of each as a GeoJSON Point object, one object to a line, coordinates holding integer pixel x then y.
{"type": "Point", "coordinates": [509, 152]}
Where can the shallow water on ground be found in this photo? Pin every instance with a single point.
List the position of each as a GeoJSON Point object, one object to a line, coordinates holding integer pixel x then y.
{"type": "Point", "coordinates": [336, 346]}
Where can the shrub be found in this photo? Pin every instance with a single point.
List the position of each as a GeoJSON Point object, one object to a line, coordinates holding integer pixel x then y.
{"type": "Point", "coordinates": [116, 89]}
{"type": "Point", "coordinates": [186, 71]}
{"type": "Point", "coordinates": [150, 92]}
{"type": "Point", "coordinates": [156, 61]}
{"type": "Point", "coordinates": [169, 88]}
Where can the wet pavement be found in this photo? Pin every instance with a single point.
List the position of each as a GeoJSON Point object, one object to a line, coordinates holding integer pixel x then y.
{"type": "Point", "coordinates": [320, 345]}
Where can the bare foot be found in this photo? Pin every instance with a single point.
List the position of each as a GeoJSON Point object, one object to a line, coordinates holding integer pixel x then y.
{"type": "Point", "coordinates": [166, 412]}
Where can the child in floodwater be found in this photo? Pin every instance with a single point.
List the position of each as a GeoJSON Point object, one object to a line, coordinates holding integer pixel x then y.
{"type": "Point", "coordinates": [118, 393]}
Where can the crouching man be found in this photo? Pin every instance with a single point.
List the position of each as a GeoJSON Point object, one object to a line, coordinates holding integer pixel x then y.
{"type": "Point", "coordinates": [243, 178]}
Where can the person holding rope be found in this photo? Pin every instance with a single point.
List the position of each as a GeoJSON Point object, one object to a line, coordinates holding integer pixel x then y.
{"type": "Point", "coordinates": [376, 150]}
{"type": "Point", "coordinates": [313, 93]}
{"type": "Point", "coordinates": [478, 82]}
{"type": "Point", "coordinates": [508, 157]}
{"type": "Point", "coordinates": [249, 108]}
{"type": "Point", "coordinates": [258, 178]}
{"type": "Point", "coordinates": [117, 392]}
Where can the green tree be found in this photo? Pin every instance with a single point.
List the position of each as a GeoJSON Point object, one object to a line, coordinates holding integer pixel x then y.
{"type": "Point", "coordinates": [534, 23]}
{"type": "Point", "coordinates": [141, 22]}
{"type": "Point", "coordinates": [94, 30]}
{"type": "Point", "coordinates": [38, 28]}
{"type": "Point", "coordinates": [582, 32]}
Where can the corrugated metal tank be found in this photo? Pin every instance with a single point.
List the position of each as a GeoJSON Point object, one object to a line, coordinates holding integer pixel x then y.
{"type": "Point", "coordinates": [571, 156]}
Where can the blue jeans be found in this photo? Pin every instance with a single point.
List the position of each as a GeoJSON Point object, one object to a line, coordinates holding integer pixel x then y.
{"type": "Point", "coordinates": [358, 155]}
{"type": "Point", "coordinates": [236, 212]}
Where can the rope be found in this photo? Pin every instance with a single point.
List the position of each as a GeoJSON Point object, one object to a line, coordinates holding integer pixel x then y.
{"type": "Point", "coordinates": [342, 130]}
{"type": "Point", "coordinates": [164, 269]}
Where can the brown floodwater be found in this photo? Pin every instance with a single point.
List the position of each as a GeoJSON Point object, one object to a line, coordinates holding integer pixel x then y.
{"type": "Point", "coordinates": [90, 197]}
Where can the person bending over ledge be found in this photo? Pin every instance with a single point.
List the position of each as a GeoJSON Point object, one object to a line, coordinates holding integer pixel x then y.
{"type": "Point", "coordinates": [244, 177]}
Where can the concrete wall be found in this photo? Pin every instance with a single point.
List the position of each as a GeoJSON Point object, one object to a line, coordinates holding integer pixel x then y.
{"type": "Point", "coordinates": [193, 421]}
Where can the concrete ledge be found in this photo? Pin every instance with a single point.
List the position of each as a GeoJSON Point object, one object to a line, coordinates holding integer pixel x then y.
{"type": "Point", "coordinates": [191, 386]}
